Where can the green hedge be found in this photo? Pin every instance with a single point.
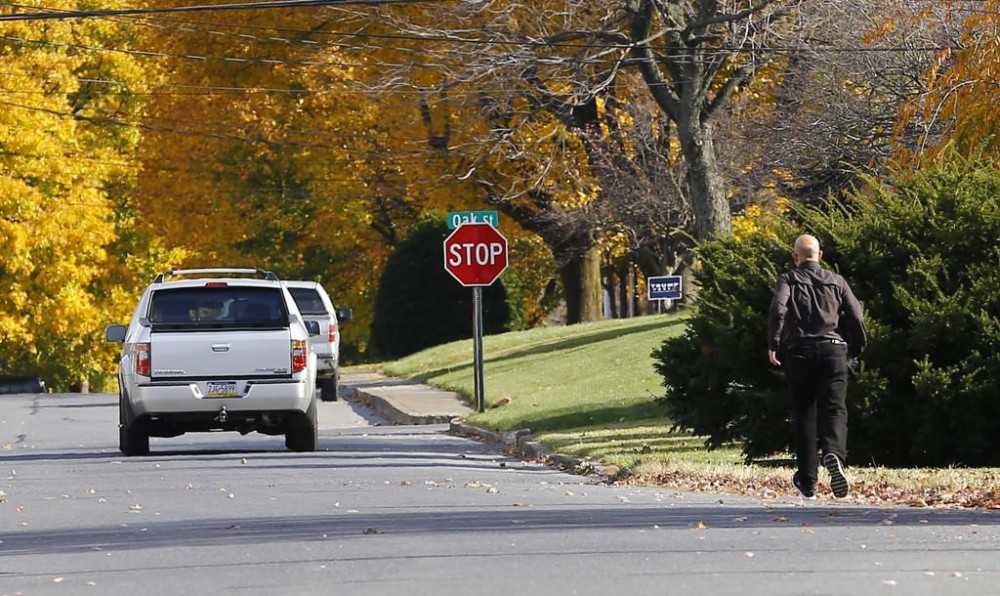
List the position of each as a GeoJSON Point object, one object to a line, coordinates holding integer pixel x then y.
{"type": "Point", "coordinates": [419, 304]}
{"type": "Point", "coordinates": [921, 254]}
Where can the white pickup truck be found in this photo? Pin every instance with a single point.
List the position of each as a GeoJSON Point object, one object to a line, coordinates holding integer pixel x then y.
{"type": "Point", "coordinates": [216, 350]}
{"type": "Point", "coordinates": [315, 305]}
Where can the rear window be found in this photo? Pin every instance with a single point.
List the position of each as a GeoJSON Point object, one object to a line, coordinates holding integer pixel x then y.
{"type": "Point", "coordinates": [217, 307]}
{"type": "Point", "coordinates": [308, 300]}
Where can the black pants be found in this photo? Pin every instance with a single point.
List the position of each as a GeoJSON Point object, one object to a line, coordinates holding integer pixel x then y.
{"type": "Point", "coordinates": [817, 375]}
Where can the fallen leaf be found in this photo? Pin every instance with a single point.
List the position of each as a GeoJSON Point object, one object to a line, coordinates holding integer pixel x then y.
{"type": "Point", "coordinates": [370, 531]}
{"type": "Point", "coordinates": [781, 518]}
{"type": "Point", "coordinates": [700, 526]}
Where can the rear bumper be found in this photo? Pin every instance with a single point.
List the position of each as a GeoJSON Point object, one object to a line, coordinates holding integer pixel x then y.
{"type": "Point", "coordinates": [177, 397]}
{"type": "Point", "coordinates": [326, 366]}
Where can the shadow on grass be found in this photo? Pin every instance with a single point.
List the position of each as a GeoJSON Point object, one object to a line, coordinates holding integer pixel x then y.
{"type": "Point", "coordinates": [589, 338]}
{"type": "Point", "coordinates": [583, 339]}
{"type": "Point", "coordinates": [585, 419]}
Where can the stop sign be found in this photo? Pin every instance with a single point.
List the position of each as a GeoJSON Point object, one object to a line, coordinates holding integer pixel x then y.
{"type": "Point", "coordinates": [475, 254]}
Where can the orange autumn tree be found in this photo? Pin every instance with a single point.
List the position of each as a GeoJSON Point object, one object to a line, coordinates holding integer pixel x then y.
{"type": "Point", "coordinates": [957, 108]}
{"type": "Point", "coordinates": [501, 123]}
{"type": "Point", "coordinates": [255, 156]}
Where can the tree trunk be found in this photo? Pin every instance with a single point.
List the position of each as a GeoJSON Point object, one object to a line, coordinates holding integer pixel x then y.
{"type": "Point", "coordinates": [581, 281]}
{"type": "Point", "coordinates": [712, 217]}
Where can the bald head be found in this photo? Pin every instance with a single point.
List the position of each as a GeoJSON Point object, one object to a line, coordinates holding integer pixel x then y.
{"type": "Point", "coordinates": [807, 248]}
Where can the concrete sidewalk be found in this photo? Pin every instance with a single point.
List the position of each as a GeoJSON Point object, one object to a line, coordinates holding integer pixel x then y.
{"type": "Point", "coordinates": [403, 401]}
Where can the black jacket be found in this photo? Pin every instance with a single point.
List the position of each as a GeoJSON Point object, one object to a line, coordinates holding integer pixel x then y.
{"type": "Point", "coordinates": [811, 303]}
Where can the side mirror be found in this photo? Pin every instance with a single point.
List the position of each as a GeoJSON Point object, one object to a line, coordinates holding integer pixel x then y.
{"type": "Point", "coordinates": [313, 328]}
{"type": "Point", "coordinates": [115, 332]}
{"type": "Point", "coordinates": [344, 314]}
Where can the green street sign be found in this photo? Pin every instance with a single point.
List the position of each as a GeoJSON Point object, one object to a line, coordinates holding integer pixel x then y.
{"type": "Point", "coordinates": [457, 218]}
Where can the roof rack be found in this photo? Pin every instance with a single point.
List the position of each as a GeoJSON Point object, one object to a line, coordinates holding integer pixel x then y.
{"type": "Point", "coordinates": [215, 272]}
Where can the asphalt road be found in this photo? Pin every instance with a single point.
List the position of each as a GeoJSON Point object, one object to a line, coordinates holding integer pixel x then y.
{"type": "Point", "coordinates": [385, 510]}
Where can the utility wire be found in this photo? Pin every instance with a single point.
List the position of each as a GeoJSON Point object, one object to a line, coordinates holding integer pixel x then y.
{"type": "Point", "coordinates": [267, 4]}
{"type": "Point", "coordinates": [270, 61]}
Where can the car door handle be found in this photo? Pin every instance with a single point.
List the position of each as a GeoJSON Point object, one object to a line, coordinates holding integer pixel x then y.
{"type": "Point", "coordinates": [220, 347]}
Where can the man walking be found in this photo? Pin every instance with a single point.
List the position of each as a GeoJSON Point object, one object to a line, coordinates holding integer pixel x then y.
{"type": "Point", "coordinates": [815, 316]}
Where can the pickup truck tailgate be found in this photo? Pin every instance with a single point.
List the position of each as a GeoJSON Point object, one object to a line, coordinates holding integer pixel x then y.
{"type": "Point", "coordinates": [220, 354]}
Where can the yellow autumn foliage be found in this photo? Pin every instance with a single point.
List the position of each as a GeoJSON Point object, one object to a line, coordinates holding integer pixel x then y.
{"type": "Point", "coordinates": [60, 279]}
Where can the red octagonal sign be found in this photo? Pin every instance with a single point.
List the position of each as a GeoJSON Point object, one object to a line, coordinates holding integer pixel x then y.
{"type": "Point", "coordinates": [475, 254]}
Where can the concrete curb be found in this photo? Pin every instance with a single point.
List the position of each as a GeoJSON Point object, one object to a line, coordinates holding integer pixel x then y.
{"type": "Point", "coordinates": [393, 409]}
{"type": "Point", "coordinates": [394, 414]}
{"type": "Point", "coordinates": [519, 443]}
{"type": "Point", "coordinates": [523, 444]}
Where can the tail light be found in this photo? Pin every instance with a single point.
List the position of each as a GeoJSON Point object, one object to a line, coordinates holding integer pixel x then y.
{"type": "Point", "coordinates": [333, 332]}
{"type": "Point", "coordinates": [142, 360]}
{"type": "Point", "coordinates": [299, 355]}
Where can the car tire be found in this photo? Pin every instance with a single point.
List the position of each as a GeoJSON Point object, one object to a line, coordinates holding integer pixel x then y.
{"type": "Point", "coordinates": [132, 436]}
{"type": "Point", "coordinates": [328, 388]}
{"type": "Point", "coordinates": [302, 433]}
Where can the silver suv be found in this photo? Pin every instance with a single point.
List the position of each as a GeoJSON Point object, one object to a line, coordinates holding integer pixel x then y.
{"type": "Point", "coordinates": [315, 305]}
{"type": "Point", "coordinates": [216, 350]}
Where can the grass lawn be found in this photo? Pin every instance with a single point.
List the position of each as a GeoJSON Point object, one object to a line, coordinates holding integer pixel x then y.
{"type": "Point", "coordinates": [590, 390]}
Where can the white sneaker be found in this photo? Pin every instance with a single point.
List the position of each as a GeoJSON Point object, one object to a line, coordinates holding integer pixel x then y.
{"type": "Point", "coordinates": [838, 479]}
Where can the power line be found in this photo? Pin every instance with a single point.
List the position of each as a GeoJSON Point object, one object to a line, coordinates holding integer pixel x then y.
{"type": "Point", "coordinates": [269, 61]}
{"type": "Point", "coordinates": [267, 4]}
{"type": "Point", "coordinates": [417, 156]}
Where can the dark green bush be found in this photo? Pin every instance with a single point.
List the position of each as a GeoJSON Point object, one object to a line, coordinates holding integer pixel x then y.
{"type": "Point", "coordinates": [718, 380]}
{"type": "Point", "coordinates": [921, 254]}
{"type": "Point", "coordinates": [419, 304]}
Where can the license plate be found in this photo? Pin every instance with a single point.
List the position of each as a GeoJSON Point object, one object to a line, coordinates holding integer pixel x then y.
{"type": "Point", "coordinates": [221, 389]}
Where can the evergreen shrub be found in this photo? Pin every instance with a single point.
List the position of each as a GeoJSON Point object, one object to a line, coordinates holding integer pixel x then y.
{"type": "Point", "coordinates": [921, 254]}
{"type": "Point", "coordinates": [418, 304]}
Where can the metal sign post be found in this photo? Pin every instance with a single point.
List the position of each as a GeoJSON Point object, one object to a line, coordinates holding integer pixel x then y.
{"type": "Point", "coordinates": [475, 254]}
{"type": "Point", "coordinates": [477, 347]}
